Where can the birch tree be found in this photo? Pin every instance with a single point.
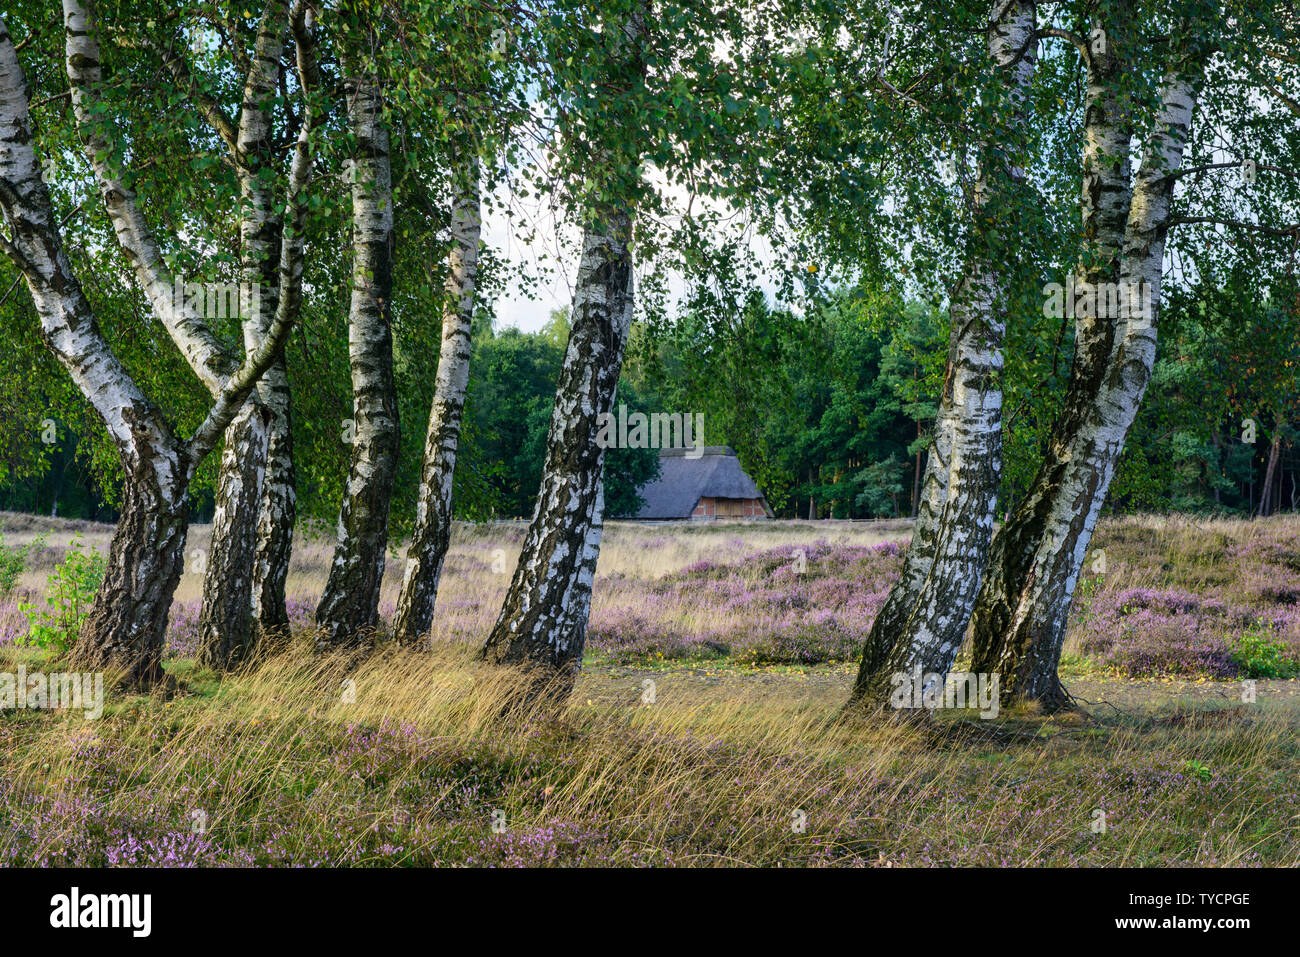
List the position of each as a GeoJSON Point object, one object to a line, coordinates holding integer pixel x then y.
{"type": "Point", "coordinates": [924, 619]}
{"type": "Point", "coordinates": [126, 626]}
{"type": "Point", "coordinates": [647, 96]}
{"type": "Point", "coordinates": [1020, 616]}
{"type": "Point", "coordinates": [252, 526]}
{"type": "Point", "coordinates": [278, 510]}
{"type": "Point", "coordinates": [543, 619]}
{"type": "Point", "coordinates": [236, 554]}
{"type": "Point", "coordinates": [348, 612]}
{"type": "Point", "coordinates": [432, 533]}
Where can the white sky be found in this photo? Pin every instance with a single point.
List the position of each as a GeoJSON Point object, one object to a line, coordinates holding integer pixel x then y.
{"type": "Point", "coordinates": [551, 254]}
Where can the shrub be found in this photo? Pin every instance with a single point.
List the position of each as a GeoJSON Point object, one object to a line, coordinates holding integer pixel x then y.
{"type": "Point", "coordinates": [69, 590]}
{"type": "Point", "coordinates": [13, 558]}
{"type": "Point", "coordinates": [1260, 653]}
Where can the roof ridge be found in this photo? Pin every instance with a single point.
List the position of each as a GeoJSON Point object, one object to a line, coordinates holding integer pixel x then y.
{"type": "Point", "coordinates": [693, 451]}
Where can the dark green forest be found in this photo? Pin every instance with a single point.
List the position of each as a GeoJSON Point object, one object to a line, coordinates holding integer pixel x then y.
{"type": "Point", "coordinates": [835, 427]}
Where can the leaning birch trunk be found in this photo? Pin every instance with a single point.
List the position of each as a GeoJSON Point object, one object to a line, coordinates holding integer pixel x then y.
{"type": "Point", "coordinates": [1021, 613]}
{"type": "Point", "coordinates": [126, 627]}
{"type": "Point", "coordinates": [1107, 196]}
{"type": "Point", "coordinates": [543, 619]}
{"type": "Point", "coordinates": [926, 614]}
{"type": "Point", "coordinates": [1107, 199]}
{"type": "Point", "coordinates": [432, 534]}
{"type": "Point", "coordinates": [127, 624]}
{"type": "Point", "coordinates": [184, 321]}
{"type": "Point", "coordinates": [578, 609]}
{"type": "Point", "coordinates": [348, 612]}
{"type": "Point", "coordinates": [202, 350]}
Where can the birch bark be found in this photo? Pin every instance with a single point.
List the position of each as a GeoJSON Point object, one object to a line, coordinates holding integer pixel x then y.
{"type": "Point", "coordinates": [924, 619]}
{"type": "Point", "coordinates": [271, 269]}
{"type": "Point", "coordinates": [127, 623]}
{"type": "Point", "coordinates": [1020, 616]}
{"type": "Point", "coordinates": [543, 619]}
{"type": "Point", "coordinates": [432, 534]}
{"type": "Point", "coordinates": [279, 507]}
{"type": "Point", "coordinates": [226, 624]}
{"type": "Point", "coordinates": [348, 612]}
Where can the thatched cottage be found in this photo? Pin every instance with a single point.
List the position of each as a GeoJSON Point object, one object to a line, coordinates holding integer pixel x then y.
{"type": "Point", "coordinates": [708, 486]}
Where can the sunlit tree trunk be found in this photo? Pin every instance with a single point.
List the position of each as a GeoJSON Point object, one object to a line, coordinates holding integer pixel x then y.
{"type": "Point", "coordinates": [432, 534]}
{"type": "Point", "coordinates": [271, 250]}
{"type": "Point", "coordinates": [543, 618]}
{"type": "Point", "coordinates": [348, 612]}
{"type": "Point", "coordinates": [203, 351]}
{"type": "Point", "coordinates": [278, 510]}
{"type": "Point", "coordinates": [126, 626]}
{"type": "Point", "coordinates": [1020, 617]}
{"type": "Point", "coordinates": [279, 507]}
{"type": "Point", "coordinates": [226, 617]}
{"type": "Point", "coordinates": [924, 619]}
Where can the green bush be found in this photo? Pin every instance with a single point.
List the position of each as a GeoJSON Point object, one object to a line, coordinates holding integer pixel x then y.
{"type": "Point", "coordinates": [13, 558]}
{"type": "Point", "coordinates": [69, 591]}
{"type": "Point", "coordinates": [1261, 654]}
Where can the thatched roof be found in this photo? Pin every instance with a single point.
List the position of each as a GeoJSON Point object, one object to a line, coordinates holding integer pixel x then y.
{"type": "Point", "coordinates": [683, 481]}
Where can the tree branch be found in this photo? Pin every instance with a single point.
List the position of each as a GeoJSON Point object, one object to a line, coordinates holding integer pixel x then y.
{"type": "Point", "coordinates": [1073, 38]}
{"type": "Point", "coordinates": [183, 73]}
{"type": "Point", "coordinates": [1236, 224]}
{"type": "Point", "coordinates": [1236, 164]}
{"type": "Point", "coordinates": [235, 390]}
{"type": "Point", "coordinates": [196, 340]}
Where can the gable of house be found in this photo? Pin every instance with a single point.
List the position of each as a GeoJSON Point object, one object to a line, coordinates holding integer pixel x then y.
{"type": "Point", "coordinates": [712, 485]}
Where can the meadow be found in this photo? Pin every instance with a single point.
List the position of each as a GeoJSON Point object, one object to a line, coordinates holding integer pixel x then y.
{"type": "Point", "coordinates": [706, 728]}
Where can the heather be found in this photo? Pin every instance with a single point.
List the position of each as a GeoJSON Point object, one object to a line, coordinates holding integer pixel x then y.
{"type": "Point", "coordinates": [1180, 598]}
{"type": "Point", "coordinates": [742, 756]}
{"type": "Point", "coordinates": [1163, 597]}
{"type": "Point", "coordinates": [424, 765]}
{"type": "Point", "coordinates": [800, 605]}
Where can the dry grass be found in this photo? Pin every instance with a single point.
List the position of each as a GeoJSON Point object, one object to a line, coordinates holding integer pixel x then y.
{"type": "Point", "coordinates": [632, 549]}
{"type": "Point", "coordinates": [429, 760]}
{"type": "Point", "coordinates": [432, 751]}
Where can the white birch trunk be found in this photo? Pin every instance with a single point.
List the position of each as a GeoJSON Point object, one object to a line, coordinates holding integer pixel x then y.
{"type": "Point", "coordinates": [1021, 614]}
{"type": "Point", "coordinates": [235, 560]}
{"type": "Point", "coordinates": [226, 624]}
{"type": "Point", "coordinates": [432, 534]}
{"type": "Point", "coordinates": [127, 623]}
{"type": "Point", "coordinates": [926, 614]}
{"type": "Point", "coordinates": [279, 507]}
{"type": "Point", "coordinates": [543, 619]}
{"type": "Point", "coordinates": [189, 330]}
{"type": "Point", "coordinates": [348, 612]}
